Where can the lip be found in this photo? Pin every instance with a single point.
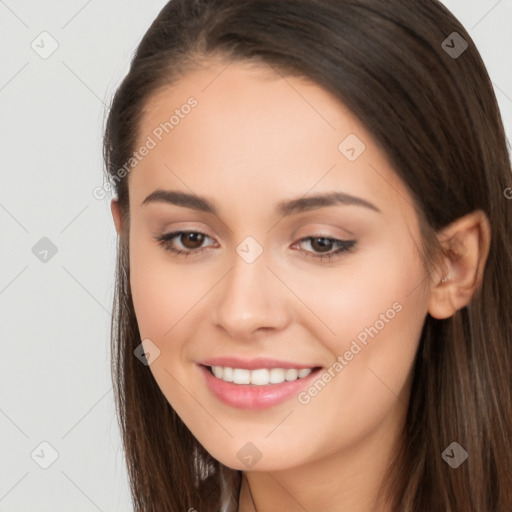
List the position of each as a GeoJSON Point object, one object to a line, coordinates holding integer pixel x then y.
{"type": "Point", "coordinates": [254, 364]}
{"type": "Point", "coordinates": [251, 397]}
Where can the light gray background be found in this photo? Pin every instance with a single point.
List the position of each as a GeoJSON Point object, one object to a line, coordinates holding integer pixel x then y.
{"type": "Point", "coordinates": [55, 315]}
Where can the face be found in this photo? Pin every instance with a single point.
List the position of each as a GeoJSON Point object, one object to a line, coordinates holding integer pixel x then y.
{"type": "Point", "coordinates": [275, 272]}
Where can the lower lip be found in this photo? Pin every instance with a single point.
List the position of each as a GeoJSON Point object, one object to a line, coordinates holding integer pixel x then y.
{"type": "Point", "coordinates": [250, 396]}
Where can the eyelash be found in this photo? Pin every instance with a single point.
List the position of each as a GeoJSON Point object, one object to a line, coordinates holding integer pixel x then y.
{"type": "Point", "coordinates": [345, 246]}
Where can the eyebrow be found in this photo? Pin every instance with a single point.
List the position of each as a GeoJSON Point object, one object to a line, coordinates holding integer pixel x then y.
{"type": "Point", "coordinates": [283, 208]}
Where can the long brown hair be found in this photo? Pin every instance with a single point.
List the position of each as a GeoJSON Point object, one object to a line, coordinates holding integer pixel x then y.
{"type": "Point", "coordinates": [434, 113]}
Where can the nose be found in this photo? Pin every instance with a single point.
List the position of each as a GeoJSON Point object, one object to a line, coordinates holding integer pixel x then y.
{"type": "Point", "coordinates": [251, 300]}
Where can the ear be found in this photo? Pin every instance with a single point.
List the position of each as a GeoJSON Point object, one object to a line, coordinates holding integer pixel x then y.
{"type": "Point", "coordinates": [465, 245]}
{"type": "Point", "coordinates": [116, 215]}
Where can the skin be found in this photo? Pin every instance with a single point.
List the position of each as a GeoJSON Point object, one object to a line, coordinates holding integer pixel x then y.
{"type": "Point", "coordinates": [253, 140]}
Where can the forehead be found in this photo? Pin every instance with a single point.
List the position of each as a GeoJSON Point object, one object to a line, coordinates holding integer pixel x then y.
{"type": "Point", "coordinates": [253, 130]}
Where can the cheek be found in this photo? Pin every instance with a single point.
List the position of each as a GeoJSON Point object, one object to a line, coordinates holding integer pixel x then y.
{"type": "Point", "coordinates": [378, 320]}
{"type": "Point", "coordinates": [160, 292]}
{"type": "Point", "coordinates": [164, 301]}
{"type": "Point", "coordinates": [366, 289]}
{"type": "Point", "coordinates": [375, 307]}
{"type": "Point", "coordinates": [380, 316]}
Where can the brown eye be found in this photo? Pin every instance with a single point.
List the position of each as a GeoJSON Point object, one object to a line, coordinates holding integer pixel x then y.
{"type": "Point", "coordinates": [192, 240]}
{"type": "Point", "coordinates": [184, 243]}
{"type": "Point", "coordinates": [325, 248]}
{"type": "Point", "coordinates": [321, 244]}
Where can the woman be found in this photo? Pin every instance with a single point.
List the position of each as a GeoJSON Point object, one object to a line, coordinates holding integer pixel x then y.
{"type": "Point", "coordinates": [313, 300]}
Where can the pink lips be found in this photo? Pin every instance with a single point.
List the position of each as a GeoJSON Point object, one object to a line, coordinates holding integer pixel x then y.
{"type": "Point", "coordinates": [249, 396]}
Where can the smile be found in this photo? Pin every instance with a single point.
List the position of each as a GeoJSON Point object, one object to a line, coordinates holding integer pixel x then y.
{"type": "Point", "coordinates": [258, 388]}
{"type": "Point", "coordinates": [260, 376]}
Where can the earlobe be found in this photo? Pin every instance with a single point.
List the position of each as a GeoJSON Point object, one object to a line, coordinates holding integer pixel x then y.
{"type": "Point", "coordinates": [465, 245]}
{"type": "Point", "coordinates": [116, 215]}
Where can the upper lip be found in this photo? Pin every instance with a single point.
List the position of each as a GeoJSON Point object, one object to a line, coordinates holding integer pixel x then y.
{"type": "Point", "coordinates": [253, 364]}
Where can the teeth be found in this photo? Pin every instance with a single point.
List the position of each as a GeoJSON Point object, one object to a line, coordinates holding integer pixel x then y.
{"type": "Point", "coordinates": [227, 374]}
{"type": "Point", "coordinates": [277, 375]}
{"type": "Point", "coordinates": [291, 375]}
{"type": "Point", "coordinates": [241, 376]}
{"type": "Point", "coordinates": [259, 377]}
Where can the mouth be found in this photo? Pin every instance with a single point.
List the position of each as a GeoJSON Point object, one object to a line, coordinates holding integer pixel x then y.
{"type": "Point", "coordinates": [256, 388]}
{"type": "Point", "coordinates": [259, 376]}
